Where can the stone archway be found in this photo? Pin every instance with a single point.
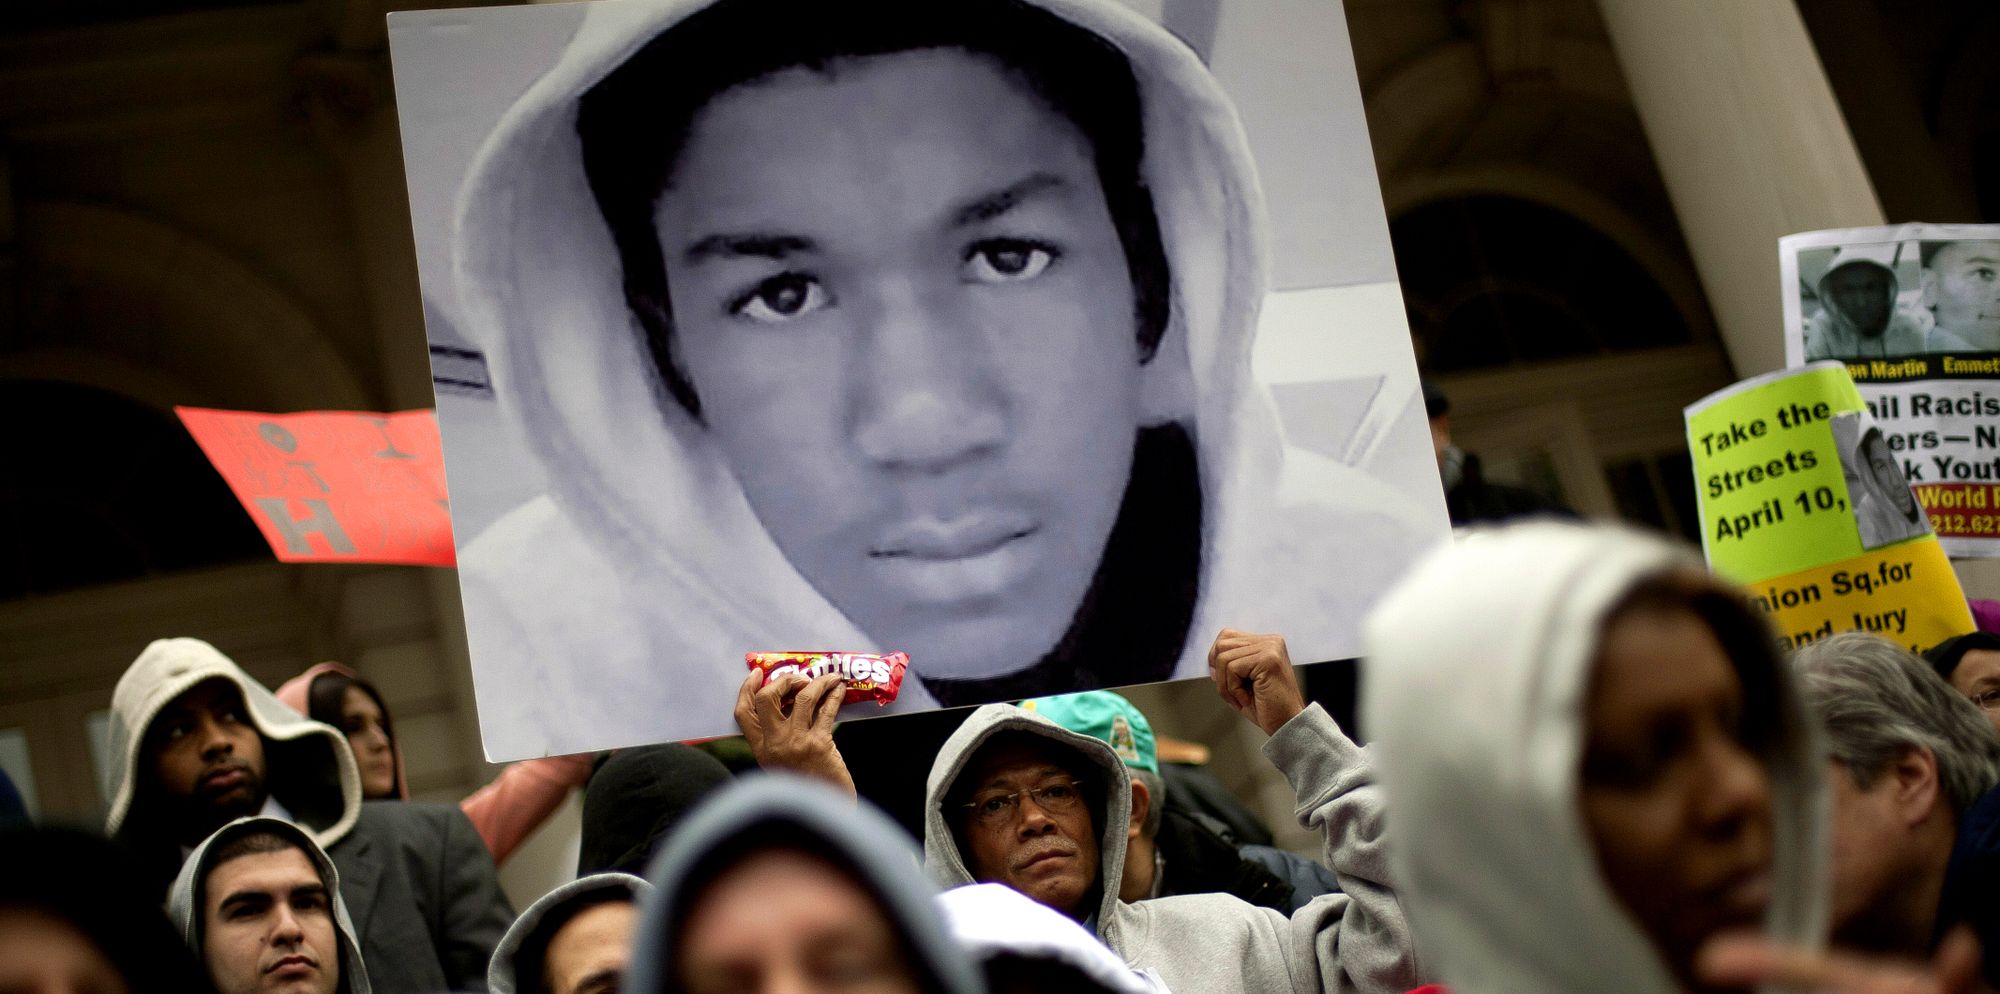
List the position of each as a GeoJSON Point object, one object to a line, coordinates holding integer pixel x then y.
{"type": "Point", "coordinates": [119, 302]}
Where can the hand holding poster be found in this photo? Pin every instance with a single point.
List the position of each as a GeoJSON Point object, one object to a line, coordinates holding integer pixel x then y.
{"type": "Point", "coordinates": [1914, 313]}
{"type": "Point", "coordinates": [1803, 502]}
{"type": "Point", "coordinates": [334, 486]}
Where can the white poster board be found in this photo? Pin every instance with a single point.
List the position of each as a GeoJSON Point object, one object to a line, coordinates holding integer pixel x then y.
{"type": "Point", "coordinates": [780, 325]}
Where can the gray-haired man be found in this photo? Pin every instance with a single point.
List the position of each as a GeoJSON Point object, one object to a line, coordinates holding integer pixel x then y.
{"type": "Point", "coordinates": [1916, 839]}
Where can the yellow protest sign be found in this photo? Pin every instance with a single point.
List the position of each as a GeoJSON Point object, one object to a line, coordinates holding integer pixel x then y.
{"type": "Point", "coordinates": [1804, 503]}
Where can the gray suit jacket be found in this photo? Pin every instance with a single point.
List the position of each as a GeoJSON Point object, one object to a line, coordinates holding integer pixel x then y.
{"type": "Point", "coordinates": [422, 890]}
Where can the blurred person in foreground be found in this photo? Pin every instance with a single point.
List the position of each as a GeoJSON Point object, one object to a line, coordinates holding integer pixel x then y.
{"type": "Point", "coordinates": [196, 743]}
{"type": "Point", "coordinates": [1971, 664]}
{"type": "Point", "coordinates": [1014, 798]}
{"type": "Point", "coordinates": [575, 939]}
{"type": "Point", "coordinates": [260, 903]}
{"type": "Point", "coordinates": [1603, 776]}
{"type": "Point", "coordinates": [505, 812]}
{"type": "Point", "coordinates": [779, 884]}
{"type": "Point", "coordinates": [1169, 851]}
{"type": "Point", "coordinates": [1916, 825]}
{"type": "Point", "coordinates": [78, 915]}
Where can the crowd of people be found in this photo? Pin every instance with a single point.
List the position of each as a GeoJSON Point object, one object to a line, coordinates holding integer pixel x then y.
{"type": "Point", "coordinates": [1592, 769]}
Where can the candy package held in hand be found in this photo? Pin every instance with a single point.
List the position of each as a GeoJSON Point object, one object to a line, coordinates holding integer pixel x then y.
{"type": "Point", "coordinates": [869, 677]}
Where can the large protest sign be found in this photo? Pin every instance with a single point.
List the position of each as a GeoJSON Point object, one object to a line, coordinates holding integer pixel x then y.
{"type": "Point", "coordinates": [1802, 502]}
{"type": "Point", "coordinates": [1914, 312]}
{"type": "Point", "coordinates": [946, 336]}
{"type": "Point", "coordinates": [334, 486]}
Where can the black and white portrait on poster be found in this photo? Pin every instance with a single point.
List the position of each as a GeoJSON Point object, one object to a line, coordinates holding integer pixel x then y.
{"type": "Point", "coordinates": [1913, 310]}
{"type": "Point", "coordinates": [960, 329]}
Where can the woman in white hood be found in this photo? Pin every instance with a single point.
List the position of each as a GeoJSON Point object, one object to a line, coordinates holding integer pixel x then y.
{"type": "Point", "coordinates": [1593, 761]}
{"type": "Point", "coordinates": [904, 325]}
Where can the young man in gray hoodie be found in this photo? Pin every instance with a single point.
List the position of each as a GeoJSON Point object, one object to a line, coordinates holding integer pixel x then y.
{"type": "Point", "coordinates": [259, 903]}
{"type": "Point", "coordinates": [1016, 799]}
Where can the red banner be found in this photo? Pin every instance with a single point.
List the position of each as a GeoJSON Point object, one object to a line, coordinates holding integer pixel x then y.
{"type": "Point", "coordinates": [335, 486]}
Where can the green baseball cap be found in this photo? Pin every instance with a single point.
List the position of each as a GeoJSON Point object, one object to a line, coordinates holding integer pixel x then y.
{"type": "Point", "coordinates": [1107, 717]}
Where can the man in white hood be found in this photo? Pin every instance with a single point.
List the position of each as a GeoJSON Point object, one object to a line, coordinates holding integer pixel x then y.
{"type": "Point", "coordinates": [907, 325]}
{"type": "Point", "coordinates": [196, 743]}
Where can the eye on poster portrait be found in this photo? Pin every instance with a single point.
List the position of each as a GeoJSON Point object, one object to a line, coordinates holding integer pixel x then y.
{"type": "Point", "coordinates": [1038, 339]}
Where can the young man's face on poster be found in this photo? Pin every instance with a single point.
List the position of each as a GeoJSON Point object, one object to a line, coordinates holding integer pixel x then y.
{"type": "Point", "coordinates": [1962, 283]}
{"type": "Point", "coordinates": [902, 300]}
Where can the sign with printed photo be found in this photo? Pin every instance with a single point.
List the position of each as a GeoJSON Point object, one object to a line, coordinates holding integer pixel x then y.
{"type": "Point", "coordinates": [1805, 504]}
{"type": "Point", "coordinates": [1914, 312]}
{"type": "Point", "coordinates": [1038, 339]}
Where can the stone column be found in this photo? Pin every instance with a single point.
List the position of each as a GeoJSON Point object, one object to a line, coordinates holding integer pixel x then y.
{"type": "Point", "coordinates": [1751, 143]}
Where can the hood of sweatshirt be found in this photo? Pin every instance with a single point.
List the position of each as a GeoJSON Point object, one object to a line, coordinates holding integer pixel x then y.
{"type": "Point", "coordinates": [598, 887]}
{"type": "Point", "coordinates": [307, 766]}
{"type": "Point", "coordinates": [613, 584]}
{"type": "Point", "coordinates": [1110, 805]}
{"type": "Point", "coordinates": [778, 811]}
{"type": "Point", "coordinates": [993, 921]}
{"type": "Point", "coordinates": [296, 694]}
{"type": "Point", "coordinates": [184, 901]}
{"type": "Point", "coordinates": [1475, 683]}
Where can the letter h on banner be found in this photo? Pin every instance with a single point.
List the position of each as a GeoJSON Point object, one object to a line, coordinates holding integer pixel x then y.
{"type": "Point", "coordinates": [321, 522]}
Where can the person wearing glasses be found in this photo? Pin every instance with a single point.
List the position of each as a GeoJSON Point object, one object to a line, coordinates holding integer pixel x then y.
{"type": "Point", "coordinates": [1971, 664]}
{"type": "Point", "coordinates": [1015, 799]}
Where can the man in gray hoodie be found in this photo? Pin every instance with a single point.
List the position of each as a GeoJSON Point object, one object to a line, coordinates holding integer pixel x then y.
{"type": "Point", "coordinates": [260, 904]}
{"type": "Point", "coordinates": [1014, 798]}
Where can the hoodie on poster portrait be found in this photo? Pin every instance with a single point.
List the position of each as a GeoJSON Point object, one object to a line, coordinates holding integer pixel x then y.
{"type": "Point", "coordinates": [187, 897]}
{"type": "Point", "coordinates": [1356, 941]}
{"type": "Point", "coordinates": [614, 585]}
{"type": "Point", "coordinates": [1473, 691]}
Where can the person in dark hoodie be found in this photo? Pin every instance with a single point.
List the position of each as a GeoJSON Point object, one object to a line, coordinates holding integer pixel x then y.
{"type": "Point", "coordinates": [783, 884]}
{"type": "Point", "coordinates": [260, 903]}
{"type": "Point", "coordinates": [634, 800]}
{"type": "Point", "coordinates": [77, 915]}
{"type": "Point", "coordinates": [196, 743]}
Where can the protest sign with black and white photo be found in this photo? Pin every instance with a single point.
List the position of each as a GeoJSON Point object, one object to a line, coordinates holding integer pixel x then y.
{"type": "Point", "coordinates": [958, 329]}
{"type": "Point", "coordinates": [1914, 312]}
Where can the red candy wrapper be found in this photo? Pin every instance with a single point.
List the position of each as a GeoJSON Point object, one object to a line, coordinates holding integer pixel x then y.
{"type": "Point", "coordinates": [869, 678]}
